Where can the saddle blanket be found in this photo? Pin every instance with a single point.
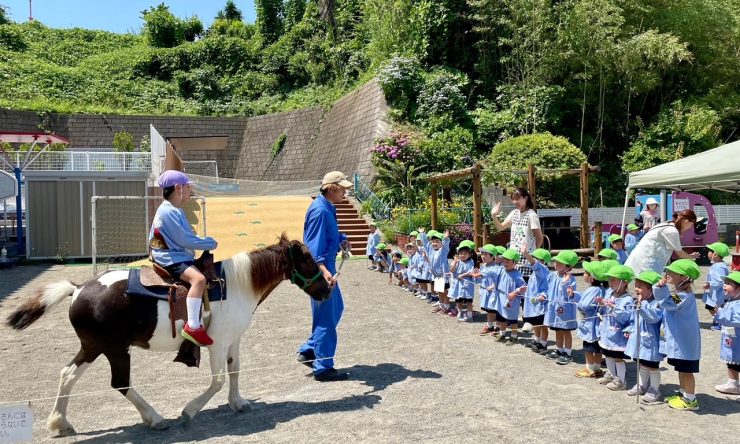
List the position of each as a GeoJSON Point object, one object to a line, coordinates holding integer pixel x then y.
{"type": "Point", "coordinates": [216, 290]}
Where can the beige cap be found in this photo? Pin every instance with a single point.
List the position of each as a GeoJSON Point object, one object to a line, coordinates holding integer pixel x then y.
{"type": "Point", "coordinates": [336, 177]}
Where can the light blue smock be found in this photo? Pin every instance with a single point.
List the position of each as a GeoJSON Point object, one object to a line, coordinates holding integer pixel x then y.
{"type": "Point", "coordinates": [715, 296]}
{"type": "Point", "coordinates": [561, 309]}
{"type": "Point", "coordinates": [648, 329]}
{"type": "Point", "coordinates": [615, 322]}
{"type": "Point", "coordinates": [729, 318]}
{"type": "Point", "coordinates": [680, 335]}
{"type": "Point", "coordinates": [588, 325]}
{"type": "Point", "coordinates": [536, 285]}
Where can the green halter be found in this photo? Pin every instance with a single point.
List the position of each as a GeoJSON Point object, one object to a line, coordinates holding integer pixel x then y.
{"type": "Point", "coordinates": [296, 275]}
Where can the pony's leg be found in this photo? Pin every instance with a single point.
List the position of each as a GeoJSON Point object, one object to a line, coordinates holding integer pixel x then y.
{"type": "Point", "coordinates": [236, 402]}
{"type": "Point", "coordinates": [218, 379]}
{"type": "Point", "coordinates": [120, 368]}
{"type": "Point", "coordinates": [57, 421]}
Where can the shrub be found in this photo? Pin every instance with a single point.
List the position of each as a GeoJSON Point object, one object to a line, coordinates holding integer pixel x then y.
{"type": "Point", "coordinates": [449, 150]}
{"type": "Point", "coordinates": [443, 95]}
{"type": "Point", "coordinates": [11, 38]}
{"type": "Point", "coordinates": [123, 142]}
{"type": "Point", "coordinates": [400, 79]}
{"type": "Point", "coordinates": [544, 151]}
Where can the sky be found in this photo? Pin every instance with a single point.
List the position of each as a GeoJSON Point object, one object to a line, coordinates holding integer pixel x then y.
{"type": "Point", "coordinates": [120, 16]}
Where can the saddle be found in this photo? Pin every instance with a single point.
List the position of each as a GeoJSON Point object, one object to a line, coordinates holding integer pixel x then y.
{"type": "Point", "coordinates": [157, 282]}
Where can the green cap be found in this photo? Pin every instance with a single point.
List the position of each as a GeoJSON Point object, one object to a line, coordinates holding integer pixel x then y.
{"type": "Point", "coordinates": [720, 248]}
{"type": "Point", "coordinates": [381, 246]}
{"type": "Point", "coordinates": [734, 277]}
{"type": "Point", "coordinates": [404, 261]}
{"type": "Point", "coordinates": [489, 248]}
{"type": "Point", "coordinates": [434, 234]}
{"type": "Point", "coordinates": [414, 233]}
{"type": "Point", "coordinates": [567, 257]}
{"type": "Point", "coordinates": [542, 254]}
{"type": "Point", "coordinates": [649, 277]}
{"type": "Point", "coordinates": [511, 254]}
{"type": "Point", "coordinates": [608, 253]}
{"type": "Point", "coordinates": [500, 249]}
{"type": "Point", "coordinates": [685, 267]}
{"type": "Point", "coordinates": [466, 244]}
{"type": "Point", "coordinates": [614, 238]}
{"type": "Point", "coordinates": [596, 270]}
{"type": "Point", "coordinates": [609, 263]}
{"type": "Point", "coordinates": [632, 227]}
{"type": "Point", "coordinates": [621, 272]}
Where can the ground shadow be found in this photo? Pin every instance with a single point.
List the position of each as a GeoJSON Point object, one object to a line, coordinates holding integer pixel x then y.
{"type": "Point", "coordinates": [379, 377]}
{"type": "Point", "coordinates": [222, 421]}
{"type": "Point", "coordinates": [15, 278]}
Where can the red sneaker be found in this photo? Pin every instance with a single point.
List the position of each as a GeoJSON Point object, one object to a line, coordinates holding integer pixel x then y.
{"type": "Point", "coordinates": [198, 336]}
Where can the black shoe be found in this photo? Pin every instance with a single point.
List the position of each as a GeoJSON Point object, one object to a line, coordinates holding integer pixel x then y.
{"type": "Point", "coordinates": [306, 358]}
{"type": "Point", "coordinates": [331, 375]}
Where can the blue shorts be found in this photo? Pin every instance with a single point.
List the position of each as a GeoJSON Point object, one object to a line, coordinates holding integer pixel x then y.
{"type": "Point", "coordinates": [176, 270]}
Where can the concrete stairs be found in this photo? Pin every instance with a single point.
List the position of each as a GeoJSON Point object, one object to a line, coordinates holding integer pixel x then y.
{"type": "Point", "coordinates": [354, 226]}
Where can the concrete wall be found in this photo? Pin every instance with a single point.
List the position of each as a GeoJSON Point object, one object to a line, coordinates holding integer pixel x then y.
{"type": "Point", "coordinates": [316, 142]}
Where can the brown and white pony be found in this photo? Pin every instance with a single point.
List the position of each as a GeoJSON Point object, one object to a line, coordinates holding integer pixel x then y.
{"type": "Point", "coordinates": [109, 323]}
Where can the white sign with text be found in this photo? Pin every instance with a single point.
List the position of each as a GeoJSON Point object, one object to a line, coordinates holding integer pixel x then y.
{"type": "Point", "coordinates": [16, 424]}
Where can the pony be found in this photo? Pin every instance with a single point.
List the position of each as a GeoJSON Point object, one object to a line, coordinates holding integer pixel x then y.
{"type": "Point", "coordinates": [108, 323]}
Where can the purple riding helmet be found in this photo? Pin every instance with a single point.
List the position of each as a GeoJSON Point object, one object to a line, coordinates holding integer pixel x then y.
{"type": "Point", "coordinates": [170, 178]}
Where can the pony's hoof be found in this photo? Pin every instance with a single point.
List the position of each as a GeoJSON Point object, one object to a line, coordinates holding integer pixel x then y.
{"type": "Point", "coordinates": [159, 425]}
{"type": "Point", "coordinates": [186, 418]}
{"type": "Point", "coordinates": [60, 427]}
{"type": "Point", "coordinates": [240, 405]}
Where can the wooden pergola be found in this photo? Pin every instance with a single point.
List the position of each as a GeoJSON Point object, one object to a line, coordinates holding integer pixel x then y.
{"type": "Point", "coordinates": [530, 173]}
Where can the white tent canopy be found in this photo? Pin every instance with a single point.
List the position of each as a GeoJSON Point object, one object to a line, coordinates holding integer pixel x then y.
{"type": "Point", "coordinates": [716, 169]}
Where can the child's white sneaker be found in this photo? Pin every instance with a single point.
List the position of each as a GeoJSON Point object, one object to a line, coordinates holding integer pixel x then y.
{"type": "Point", "coordinates": [728, 388]}
{"type": "Point", "coordinates": [637, 389]}
{"type": "Point", "coordinates": [652, 397]}
{"type": "Point", "coordinates": [616, 385]}
{"type": "Point", "coordinates": [606, 379]}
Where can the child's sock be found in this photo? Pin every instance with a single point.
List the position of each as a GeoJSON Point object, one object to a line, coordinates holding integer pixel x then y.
{"type": "Point", "coordinates": [193, 312]}
{"type": "Point", "coordinates": [621, 371]}
{"type": "Point", "coordinates": [644, 380]}
{"type": "Point", "coordinates": [489, 324]}
{"type": "Point", "coordinates": [594, 367]}
{"type": "Point", "coordinates": [543, 342]}
{"type": "Point", "coordinates": [567, 351]}
{"type": "Point", "coordinates": [611, 365]}
{"type": "Point", "coordinates": [689, 396]}
{"type": "Point", "coordinates": [514, 334]}
{"type": "Point", "coordinates": [655, 381]}
{"type": "Point", "coordinates": [733, 382]}
{"type": "Point", "coordinates": [446, 306]}
{"type": "Point", "coordinates": [561, 350]}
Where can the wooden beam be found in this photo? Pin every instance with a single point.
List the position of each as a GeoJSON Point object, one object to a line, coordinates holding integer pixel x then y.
{"type": "Point", "coordinates": [456, 174]}
{"type": "Point", "coordinates": [597, 237]}
{"type": "Point", "coordinates": [477, 207]}
{"type": "Point", "coordinates": [435, 222]}
{"type": "Point", "coordinates": [584, 205]}
{"type": "Point", "coordinates": [532, 184]}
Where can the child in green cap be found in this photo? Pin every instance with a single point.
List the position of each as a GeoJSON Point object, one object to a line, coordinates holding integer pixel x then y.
{"type": "Point", "coordinates": [534, 310]}
{"type": "Point", "coordinates": [647, 330]}
{"type": "Point", "coordinates": [487, 290]}
{"type": "Point", "coordinates": [632, 237]}
{"type": "Point", "coordinates": [560, 315]}
{"type": "Point", "coordinates": [681, 336]}
{"type": "Point", "coordinates": [713, 288]}
{"type": "Point", "coordinates": [588, 326]}
{"type": "Point", "coordinates": [616, 317]}
{"type": "Point", "coordinates": [462, 286]}
{"type": "Point", "coordinates": [616, 243]}
{"type": "Point", "coordinates": [373, 239]}
{"type": "Point", "coordinates": [728, 317]}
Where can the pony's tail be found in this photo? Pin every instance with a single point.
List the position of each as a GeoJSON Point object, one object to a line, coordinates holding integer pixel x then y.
{"type": "Point", "coordinates": [32, 310]}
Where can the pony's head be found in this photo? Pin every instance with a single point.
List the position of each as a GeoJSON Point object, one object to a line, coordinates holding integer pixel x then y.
{"type": "Point", "coordinates": [304, 271]}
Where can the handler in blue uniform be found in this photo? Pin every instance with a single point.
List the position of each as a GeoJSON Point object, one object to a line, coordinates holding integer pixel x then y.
{"type": "Point", "coordinates": [322, 237]}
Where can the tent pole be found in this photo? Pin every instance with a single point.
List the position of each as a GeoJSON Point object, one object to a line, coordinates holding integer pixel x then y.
{"type": "Point", "coordinates": [624, 213]}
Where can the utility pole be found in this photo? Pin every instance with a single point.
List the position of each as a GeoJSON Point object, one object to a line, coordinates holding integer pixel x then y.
{"type": "Point", "coordinates": [30, 11]}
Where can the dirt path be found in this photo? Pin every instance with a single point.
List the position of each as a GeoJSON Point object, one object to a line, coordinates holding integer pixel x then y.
{"type": "Point", "coordinates": [415, 377]}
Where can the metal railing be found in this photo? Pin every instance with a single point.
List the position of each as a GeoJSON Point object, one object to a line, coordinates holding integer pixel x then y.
{"type": "Point", "coordinates": [81, 161]}
{"type": "Point", "coordinates": [378, 209]}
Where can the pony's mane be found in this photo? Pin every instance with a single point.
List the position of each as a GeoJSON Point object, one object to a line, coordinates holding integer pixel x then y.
{"type": "Point", "coordinates": [260, 269]}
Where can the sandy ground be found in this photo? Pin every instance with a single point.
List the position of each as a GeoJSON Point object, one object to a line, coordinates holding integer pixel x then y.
{"type": "Point", "coordinates": [415, 377]}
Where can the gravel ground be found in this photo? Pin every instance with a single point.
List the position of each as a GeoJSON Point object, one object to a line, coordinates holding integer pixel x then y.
{"type": "Point", "coordinates": [415, 376]}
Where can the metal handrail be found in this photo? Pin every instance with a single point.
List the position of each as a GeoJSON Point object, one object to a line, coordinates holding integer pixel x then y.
{"type": "Point", "coordinates": [378, 209]}
{"type": "Point", "coordinates": [82, 161]}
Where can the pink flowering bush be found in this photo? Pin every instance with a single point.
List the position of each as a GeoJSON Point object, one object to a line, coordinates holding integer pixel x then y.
{"type": "Point", "coordinates": [397, 146]}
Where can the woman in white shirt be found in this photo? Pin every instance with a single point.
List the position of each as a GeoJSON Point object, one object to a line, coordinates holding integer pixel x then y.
{"type": "Point", "coordinates": [525, 226]}
{"type": "Point", "coordinates": [657, 245]}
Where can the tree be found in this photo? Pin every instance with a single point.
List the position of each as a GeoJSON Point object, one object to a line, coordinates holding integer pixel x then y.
{"type": "Point", "coordinates": [269, 19]}
{"type": "Point", "coordinates": [230, 12]}
{"type": "Point", "coordinates": [3, 17]}
{"type": "Point", "coordinates": [161, 28]}
{"type": "Point", "coordinates": [294, 10]}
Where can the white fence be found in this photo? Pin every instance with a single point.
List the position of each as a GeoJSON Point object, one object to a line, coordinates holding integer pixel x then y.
{"type": "Point", "coordinates": [82, 161]}
{"type": "Point", "coordinates": [726, 214]}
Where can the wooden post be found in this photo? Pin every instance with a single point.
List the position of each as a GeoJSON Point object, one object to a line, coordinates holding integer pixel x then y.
{"type": "Point", "coordinates": [584, 205]}
{"type": "Point", "coordinates": [597, 238]}
{"type": "Point", "coordinates": [531, 183]}
{"type": "Point", "coordinates": [486, 234]}
{"type": "Point", "coordinates": [435, 222]}
{"type": "Point", "coordinates": [477, 207]}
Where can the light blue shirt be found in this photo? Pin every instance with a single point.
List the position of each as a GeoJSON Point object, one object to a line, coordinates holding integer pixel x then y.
{"type": "Point", "coordinates": [680, 335]}
{"type": "Point", "coordinates": [489, 276]}
{"type": "Point", "coordinates": [715, 296]}
{"type": "Point", "coordinates": [537, 285]}
{"type": "Point", "coordinates": [630, 242]}
{"type": "Point", "coordinates": [621, 256]}
{"type": "Point", "coordinates": [561, 309]}
{"type": "Point", "coordinates": [463, 288]}
{"type": "Point", "coordinates": [729, 318]}
{"type": "Point", "coordinates": [437, 258]}
{"type": "Point", "coordinates": [615, 322]}
{"type": "Point", "coordinates": [508, 282]}
{"type": "Point", "coordinates": [588, 325]}
{"type": "Point", "coordinates": [648, 330]}
{"type": "Point", "coordinates": [373, 239]}
{"type": "Point", "coordinates": [174, 227]}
